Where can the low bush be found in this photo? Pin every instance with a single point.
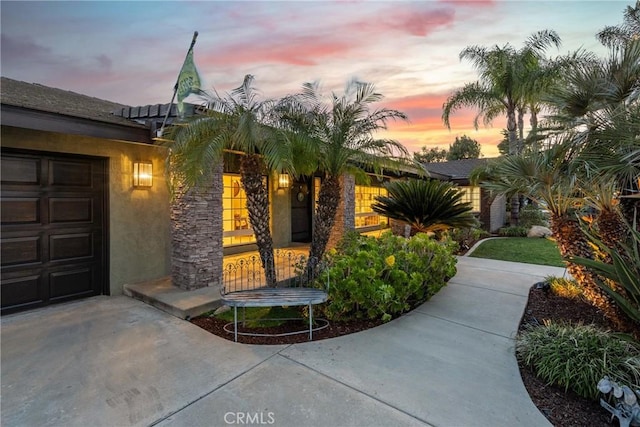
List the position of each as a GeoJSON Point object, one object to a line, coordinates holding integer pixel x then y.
{"type": "Point", "coordinates": [576, 357]}
{"type": "Point", "coordinates": [465, 237]}
{"type": "Point", "coordinates": [517, 231]}
{"type": "Point", "coordinates": [566, 288]}
{"type": "Point", "coordinates": [530, 216]}
{"type": "Point", "coordinates": [385, 277]}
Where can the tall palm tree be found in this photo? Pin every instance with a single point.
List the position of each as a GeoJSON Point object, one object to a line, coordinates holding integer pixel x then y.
{"type": "Point", "coordinates": [503, 87]}
{"type": "Point", "coordinates": [618, 35]}
{"type": "Point", "coordinates": [550, 177]}
{"type": "Point", "coordinates": [238, 122]}
{"type": "Point", "coordinates": [594, 130]}
{"type": "Point", "coordinates": [339, 131]}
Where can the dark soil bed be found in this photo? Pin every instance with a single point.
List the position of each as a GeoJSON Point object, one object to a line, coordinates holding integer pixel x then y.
{"type": "Point", "coordinates": [562, 409]}
{"type": "Point", "coordinates": [215, 326]}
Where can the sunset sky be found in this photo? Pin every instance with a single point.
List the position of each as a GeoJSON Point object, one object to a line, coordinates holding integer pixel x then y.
{"type": "Point", "coordinates": [131, 52]}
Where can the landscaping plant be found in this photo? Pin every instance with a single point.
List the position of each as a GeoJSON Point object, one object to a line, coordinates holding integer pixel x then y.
{"type": "Point", "coordinates": [562, 287]}
{"type": "Point", "coordinates": [385, 277]}
{"type": "Point", "coordinates": [426, 205]}
{"type": "Point", "coordinates": [576, 357]}
{"type": "Point", "coordinates": [515, 231]}
{"type": "Point", "coordinates": [624, 270]}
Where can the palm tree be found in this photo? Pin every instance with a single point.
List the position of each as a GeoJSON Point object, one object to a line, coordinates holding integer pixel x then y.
{"type": "Point", "coordinates": [340, 135]}
{"type": "Point", "coordinates": [238, 122]}
{"type": "Point", "coordinates": [426, 205]}
{"type": "Point", "coordinates": [616, 36]}
{"type": "Point", "coordinates": [550, 177]}
{"type": "Point", "coordinates": [503, 87]}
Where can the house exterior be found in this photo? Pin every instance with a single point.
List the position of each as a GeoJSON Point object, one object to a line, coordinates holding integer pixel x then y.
{"type": "Point", "coordinates": [491, 211]}
{"type": "Point", "coordinates": [75, 224]}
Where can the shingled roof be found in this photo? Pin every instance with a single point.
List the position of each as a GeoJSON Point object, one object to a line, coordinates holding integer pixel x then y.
{"type": "Point", "coordinates": [34, 96]}
{"type": "Point", "coordinates": [455, 170]}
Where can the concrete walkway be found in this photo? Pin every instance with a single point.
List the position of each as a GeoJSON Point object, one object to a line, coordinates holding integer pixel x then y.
{"type": "Point", "coordinates": [114, 361]}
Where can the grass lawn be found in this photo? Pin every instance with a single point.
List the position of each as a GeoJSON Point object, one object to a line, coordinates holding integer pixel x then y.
{"type": "Point", "coordinates": [521, 249]}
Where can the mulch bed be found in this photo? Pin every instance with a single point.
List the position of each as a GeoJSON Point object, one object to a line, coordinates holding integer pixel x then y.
{"type": "Point", "coordinates": [335, 329]}
{"type": "Point", "coordinates": [562, 409]}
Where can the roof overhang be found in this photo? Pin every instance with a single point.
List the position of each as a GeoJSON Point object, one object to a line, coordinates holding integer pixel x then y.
{"type": "Point", "coordinates": [51, 122]}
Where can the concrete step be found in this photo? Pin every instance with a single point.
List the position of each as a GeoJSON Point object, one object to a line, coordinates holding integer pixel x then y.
{"type": "Point", "coordinates": [160, 293]}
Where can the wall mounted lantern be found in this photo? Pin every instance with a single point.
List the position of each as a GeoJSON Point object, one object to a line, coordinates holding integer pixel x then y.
{"type": "Point", "coordinates": [142, 174]}
{"type": "Point", "coordinates": [283, 180]}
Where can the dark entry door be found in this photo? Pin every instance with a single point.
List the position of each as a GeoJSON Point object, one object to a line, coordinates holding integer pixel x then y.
{"type": "Point", "coordinates": [301, 211]}
{"type": "Point", "coordinates": [53, 229]}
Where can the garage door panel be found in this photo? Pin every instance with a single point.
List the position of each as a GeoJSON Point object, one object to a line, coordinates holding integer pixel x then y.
{"type": "Point", "coordinates": [21, 291]}
{"type": "Point", "coordinates": [22, 171]}
{"type": "Point", "coordinates": [53, 241]}
{"type": "Point", "coordinates": [64, 210]}
{"type": "Point", "coordinates": [70, 246]}
{"type": "Point", "coordinates": [21, 250]}
{"type": "Point", "coordinates": [70, 174]}
{"type": "Point", "coordinates": [20, 210]}
{"type": "Point", "coordinates": [71, 283]}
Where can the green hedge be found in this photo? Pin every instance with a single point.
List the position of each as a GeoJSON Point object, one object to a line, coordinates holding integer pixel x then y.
{"type": "Point", "coordinates": [385, 277]}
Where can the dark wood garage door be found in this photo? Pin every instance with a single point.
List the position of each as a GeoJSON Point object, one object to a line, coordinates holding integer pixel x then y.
{"type": "Point", "coordinates": [53, 229]}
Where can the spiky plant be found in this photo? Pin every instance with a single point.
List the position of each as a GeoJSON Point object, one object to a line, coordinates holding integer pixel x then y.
{"type": "Point", "coordinates": [426, 205]}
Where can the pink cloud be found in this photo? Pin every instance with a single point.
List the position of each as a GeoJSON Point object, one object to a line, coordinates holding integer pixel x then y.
{"type": "Point", "coordinates": [413, 19]}
{"type": "Point", "coordinates": [470, 3]}
{"type": "Point", "coordinates": [303, 51]}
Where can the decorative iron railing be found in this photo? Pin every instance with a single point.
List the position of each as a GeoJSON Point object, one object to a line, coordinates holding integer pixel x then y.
{"type": "Point", "coordinates": [292, 269]}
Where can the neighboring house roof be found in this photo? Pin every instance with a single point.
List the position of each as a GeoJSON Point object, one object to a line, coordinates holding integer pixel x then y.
{"type": "Point", "coordinates": [39, 107]}
{"type": "Point", "coordinates": [455, 170]}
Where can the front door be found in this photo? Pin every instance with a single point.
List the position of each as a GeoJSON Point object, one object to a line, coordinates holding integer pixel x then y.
{"type": "Point", "coordinates": [301, 211]}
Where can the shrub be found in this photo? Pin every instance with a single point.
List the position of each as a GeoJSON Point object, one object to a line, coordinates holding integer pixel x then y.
{"type": "Point", "coordinates": [576, 357]}
{"type": "Point", "coordinates": [530, 216]}
{"type": "Point", "coordinates": [517, 231]}
{"type": "Point", "coordinates": [385, 277]}
{"type": "Point", "coordinates": [566, 288]}
{"type": "Point", "coordinates": [465, 237]}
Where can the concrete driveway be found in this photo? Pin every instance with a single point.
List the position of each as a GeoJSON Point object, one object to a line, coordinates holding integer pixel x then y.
{"type": "Point", "coordinates": [114, 361]}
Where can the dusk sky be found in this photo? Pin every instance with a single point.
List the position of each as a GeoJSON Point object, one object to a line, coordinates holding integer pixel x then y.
{"type": "Point", "coordinates": [131, 52]}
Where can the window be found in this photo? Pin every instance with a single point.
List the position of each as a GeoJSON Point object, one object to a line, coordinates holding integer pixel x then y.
{"type": "Point", "coordinates": [235, 217]}
{"type": "Point", "coordinates": [472, 195]}
{"type": "Point", "coordinates": [365, 216]}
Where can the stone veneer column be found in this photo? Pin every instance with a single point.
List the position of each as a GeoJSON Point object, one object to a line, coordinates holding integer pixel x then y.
{"type": "Point", "coordinates": [196, 233]}
{"type": "Point", "coordinates": [346, 214]}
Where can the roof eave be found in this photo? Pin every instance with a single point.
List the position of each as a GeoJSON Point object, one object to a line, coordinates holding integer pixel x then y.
{"type": "Point", "coordinates": [51, 122]}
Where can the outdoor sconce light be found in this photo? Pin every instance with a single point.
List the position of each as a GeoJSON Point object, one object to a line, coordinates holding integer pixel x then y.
{"type": "Point", "coordinates": [142, 174]}
{"type": "Point", "coordinates": [283, 180]}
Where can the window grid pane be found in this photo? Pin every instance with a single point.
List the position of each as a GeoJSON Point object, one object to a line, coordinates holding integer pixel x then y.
{"type": "Point", "coordinates": [472, 195]}
{"type": "Point", "coordinates": [365, 197]}
{"type": "Point", "coordinates": [235, 217]}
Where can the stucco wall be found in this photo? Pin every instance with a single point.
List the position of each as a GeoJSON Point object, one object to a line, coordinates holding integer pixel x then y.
{"type": "Point", "coordinates": [280, 213]}
{"type": "Point", "coordinates": [139, 226]}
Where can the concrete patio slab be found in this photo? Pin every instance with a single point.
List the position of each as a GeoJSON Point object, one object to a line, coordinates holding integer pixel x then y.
{"type": "Point", "coordinates": [459, 304]}
{"type": "Point", "coordinates": [284, 393]}
{"type": "Point", "coordinates": [115, 361]}
{"type": "Point", "coordinates": [441, 372]}
{"type": "Point", "coordinates": [110, 361]}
